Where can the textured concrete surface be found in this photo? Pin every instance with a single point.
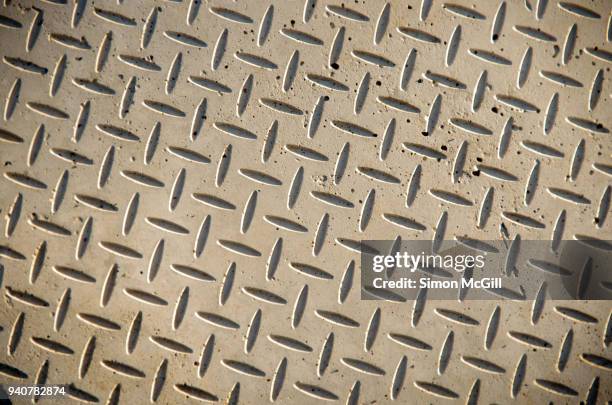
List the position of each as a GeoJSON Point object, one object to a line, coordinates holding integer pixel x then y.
{"type": "Point", "coordinates": [185, 184]}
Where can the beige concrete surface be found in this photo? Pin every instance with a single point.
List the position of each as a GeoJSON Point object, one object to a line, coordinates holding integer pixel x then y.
{"type": "Point", "coordinates": [185, 184]}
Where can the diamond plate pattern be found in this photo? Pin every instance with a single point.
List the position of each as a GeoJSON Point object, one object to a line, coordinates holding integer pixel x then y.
{"type": "Point", "coordinates": [185, 186]}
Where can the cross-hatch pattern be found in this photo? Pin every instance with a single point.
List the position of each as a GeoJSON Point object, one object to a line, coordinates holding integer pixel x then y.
{"type": "Point", "coordinates": [185, 187]}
